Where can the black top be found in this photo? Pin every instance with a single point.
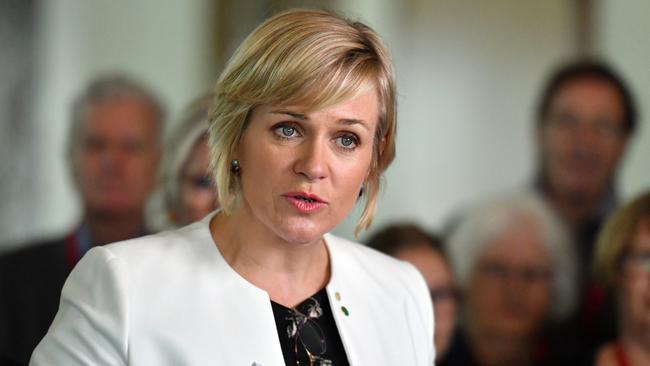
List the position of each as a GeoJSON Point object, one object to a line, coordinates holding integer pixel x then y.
{"type": "Point", "coordinates": [552, 348]}
{"type": "Point", "coordinates": [31, 279]}
{"type": "Point", "coordinates": [308, 334]}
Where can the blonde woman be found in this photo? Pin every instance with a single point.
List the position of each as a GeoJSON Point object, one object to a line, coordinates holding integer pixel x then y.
{"type": "Point", "coordinates": [302, 127]}
{"type": "Point", "coordinates": [622, 263]}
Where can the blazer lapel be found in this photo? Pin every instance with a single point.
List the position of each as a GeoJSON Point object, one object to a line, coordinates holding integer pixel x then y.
{"type": "Point", "coordinates": [247, 317]}
{"type": "Point", "coordinates": [354, 313]}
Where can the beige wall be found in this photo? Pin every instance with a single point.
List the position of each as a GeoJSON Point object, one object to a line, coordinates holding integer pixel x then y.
{"type": "Point", "coordinates": [468, 76]}
{"type": "Point", "coordinates": [622, 38]}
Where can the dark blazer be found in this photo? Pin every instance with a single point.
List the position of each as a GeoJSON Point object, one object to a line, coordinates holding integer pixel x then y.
{"type": "Point", "coordinates": [31, 279]}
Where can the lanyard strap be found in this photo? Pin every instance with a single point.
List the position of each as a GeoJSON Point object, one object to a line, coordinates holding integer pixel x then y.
{"type": "Point", "coordinates": [621, 357]}
{"type": "Point", "coordinates": [72, 250]}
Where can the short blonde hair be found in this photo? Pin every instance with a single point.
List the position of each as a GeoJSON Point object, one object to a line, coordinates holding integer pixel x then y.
{"type": "Point", "coordinates": [311, 58]}
{"type": "Point", "coordinates": [615, 237]}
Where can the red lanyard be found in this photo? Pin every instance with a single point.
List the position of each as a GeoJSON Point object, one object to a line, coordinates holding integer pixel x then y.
{"type": "Point", "coordinates": [621, 357]}
{"type": "Point", "coordinates": [71, 250]}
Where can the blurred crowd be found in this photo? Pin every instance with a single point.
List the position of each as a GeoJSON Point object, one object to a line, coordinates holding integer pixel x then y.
{"type": "Point", "coordinates": [555, 272]}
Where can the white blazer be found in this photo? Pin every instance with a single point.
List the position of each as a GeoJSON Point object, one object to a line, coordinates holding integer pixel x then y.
{"type": "Point", "coordinates": [172, 299]}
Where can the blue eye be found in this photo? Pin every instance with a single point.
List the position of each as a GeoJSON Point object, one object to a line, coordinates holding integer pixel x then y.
{"type": "Point", "coordinates": [347, 141]}
{"type": "Point", "coordinates": [286, 131]}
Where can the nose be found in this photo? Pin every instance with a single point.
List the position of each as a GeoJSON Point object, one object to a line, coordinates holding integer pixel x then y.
{"type": "Point", "coordinates": [311, 161]}
{"type": "Point", "coordinates": [515, 284]}
{"type": "Point", "coordinates": [112, 159]}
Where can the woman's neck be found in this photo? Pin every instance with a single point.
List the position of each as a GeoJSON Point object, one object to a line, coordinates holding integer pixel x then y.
{"type": "Point", "coordinates": [288, 272]}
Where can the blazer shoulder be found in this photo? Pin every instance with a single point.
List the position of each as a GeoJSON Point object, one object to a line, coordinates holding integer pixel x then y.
{"type": "Point", "coordinates": [168, 253]}
{"type": "Point", "coordinates": [361, 258]}
{"type": "Point", "coordinates": [162, 242]}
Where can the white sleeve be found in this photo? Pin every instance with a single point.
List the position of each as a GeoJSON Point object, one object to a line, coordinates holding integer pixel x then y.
{"type": "Point", "coordinates": [91, 326]}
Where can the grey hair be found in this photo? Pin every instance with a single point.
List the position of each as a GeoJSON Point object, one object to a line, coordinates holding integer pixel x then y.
{"type": "Point", "coordinates": [481, 224]}
{"type": "Point", "coordinates": [106, 88]}
{"type": "Point", "coordinates": [182, 140]}
{"type": "Point", "coordinates": [165, 200]}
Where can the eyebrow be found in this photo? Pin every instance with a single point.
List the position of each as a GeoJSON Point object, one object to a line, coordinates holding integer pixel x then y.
{"type": "Point", "coordinates": [343, 121]}
{"type": "Point", "coordinates": [292, 114]}
{"type": "Point", "coordinates": [351, 122]}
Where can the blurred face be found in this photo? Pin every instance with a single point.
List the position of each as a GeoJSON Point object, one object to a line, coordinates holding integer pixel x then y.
{"type": "Point", "coordinates": [301, 172]}
{"type": "Point", "coordinates": [198, 195]}
{"type": "Point", "coordinates": [584, 137]}
{"type": "Point", "coordinates": [510, 288]}
{"type": "Point", "coordinates": [438, 277]}
{"type": "Point", "coordinates": [115, 159]}
{"type": "Point", "coordinates": [634, 282]}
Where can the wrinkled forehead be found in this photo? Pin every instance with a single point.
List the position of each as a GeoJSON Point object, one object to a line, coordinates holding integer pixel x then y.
{"type": "Point", "coordinates": [124, 111]}
{"type": "Point", "coordinates": [124, 121]}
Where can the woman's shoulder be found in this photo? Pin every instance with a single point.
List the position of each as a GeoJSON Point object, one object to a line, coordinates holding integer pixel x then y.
{"type": "Point", "coordinates": [363, 253]}
{"type": "Point", "coordinates": [190, 245]}
{"type": "Point", "coordinates": [360, 260]}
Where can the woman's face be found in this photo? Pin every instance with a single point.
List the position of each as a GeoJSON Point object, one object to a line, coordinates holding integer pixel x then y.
{"type": "Point", "coordinates": [301, 172]}
{"type": "Point", "coordinates": [510, 288]}
{"type": "Point", "coordinates": [438, 277]}
{"type": "Point", "coordinates": [634, 281]}
{"type": "Point", "coordinates": [197, 193]}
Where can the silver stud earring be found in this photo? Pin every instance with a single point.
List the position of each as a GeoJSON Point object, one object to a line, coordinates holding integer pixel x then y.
{"type": "Point", "coordinates": [234, 167]}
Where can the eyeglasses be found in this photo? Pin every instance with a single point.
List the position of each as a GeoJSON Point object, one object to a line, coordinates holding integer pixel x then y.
{"type": "Point", "coordinates": [442, 294]}
{"type": "Point", "coordinates": [201, 181]}
{"type": "Point", "coordinates": [601, 127]}
{"type": "Point", "coordinates": [305, 332]}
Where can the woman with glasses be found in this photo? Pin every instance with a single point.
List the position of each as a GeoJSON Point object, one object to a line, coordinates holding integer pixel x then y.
{"type": "Point", "coordinates": [302, 127]}
{"type": "Point", "coordinates": [410, 243]}
{"type": "Point", "coordinates": [514, 265]}
{"type": "Point", "coordinates": [622, 264]}
{"type": "Point", "coordinates": [186, 191]}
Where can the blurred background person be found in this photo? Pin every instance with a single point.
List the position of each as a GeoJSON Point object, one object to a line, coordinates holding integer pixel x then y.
{"type": "Point", "coordinates": [425, 251]}
{"type": "Point", "coordinates": [186, 188]}
{"type": "Point", "coordinates": [113, 152]}
{"type": "Point", "coordinates": [585, 118]}
{"type": "Point", "coordinates": [514, 266]}
{"type": "Point", "coordinates": [622, 263]}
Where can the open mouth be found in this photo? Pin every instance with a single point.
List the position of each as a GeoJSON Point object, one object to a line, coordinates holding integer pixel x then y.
{"type": "Point", "coordinates": [306, 199]}
{"type": "Point", "coordinates": [305, 202]}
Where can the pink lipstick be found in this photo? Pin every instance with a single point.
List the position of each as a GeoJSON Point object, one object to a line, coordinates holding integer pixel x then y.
{"type": "Point", "coordinates": [305, 202]}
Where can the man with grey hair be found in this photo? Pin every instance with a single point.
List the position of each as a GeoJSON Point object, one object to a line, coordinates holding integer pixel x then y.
{"type": "Point", "coordinates": [114, 148]}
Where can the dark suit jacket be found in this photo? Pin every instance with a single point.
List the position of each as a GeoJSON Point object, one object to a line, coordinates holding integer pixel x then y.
{"type": "Point", "coordinates": [31, 279]}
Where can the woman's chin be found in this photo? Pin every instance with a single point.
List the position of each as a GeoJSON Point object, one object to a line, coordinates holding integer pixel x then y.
{"type": "Point", "coordinates": [302, 232]}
